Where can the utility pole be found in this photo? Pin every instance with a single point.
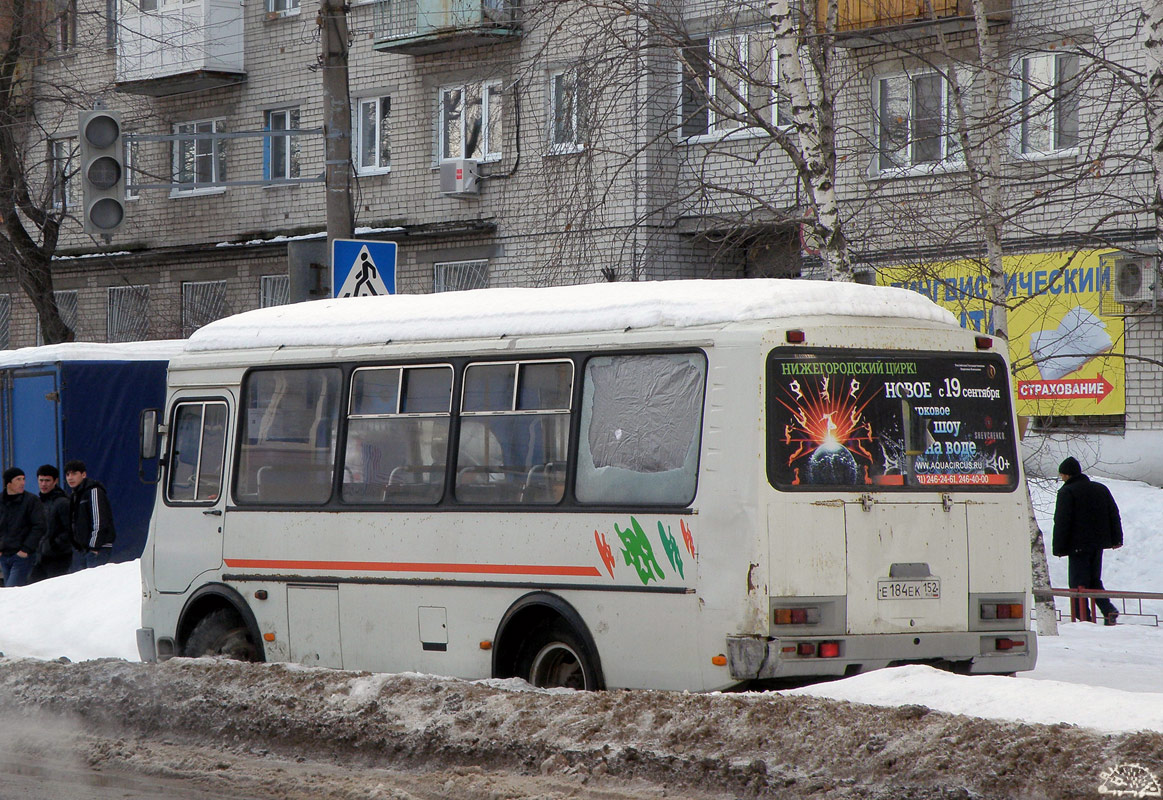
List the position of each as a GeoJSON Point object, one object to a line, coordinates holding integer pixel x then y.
{"type": "Point", "coordinates": [336, 120]}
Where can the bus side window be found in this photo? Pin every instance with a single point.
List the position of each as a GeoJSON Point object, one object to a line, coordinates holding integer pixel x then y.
{"type": "Point", "coordinates": [288, 436]}
{"type": "Point", "coordinates": [514, 433]}
{"type": "Point", "coordinates": [397, 435]}
{"type": "Point", "coordinates": [641, 420]}
{"type": "Point", "coordinates": [198, 452]}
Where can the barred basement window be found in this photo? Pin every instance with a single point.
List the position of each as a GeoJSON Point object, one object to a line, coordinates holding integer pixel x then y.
{"type": "Point", "coordinates": [128, 314]}
{"type": "Point", "coordinates": [5, 320]}
{"type": "Point", "coordinates": [274, 290]}
{"type": "Point", "coordinates": [454, 276]}
{"type": "Point", "coordinates": [67, 307]}
{"type": "Point", "coordinates": [202, 303]}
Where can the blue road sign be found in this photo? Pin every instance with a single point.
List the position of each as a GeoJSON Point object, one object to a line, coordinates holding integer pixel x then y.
{"type": "Point", "coordinates": [362, 268]}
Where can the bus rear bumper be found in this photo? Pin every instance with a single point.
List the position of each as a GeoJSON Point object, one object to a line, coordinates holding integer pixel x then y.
{"type": "Point", "coordinates": [995, 652]}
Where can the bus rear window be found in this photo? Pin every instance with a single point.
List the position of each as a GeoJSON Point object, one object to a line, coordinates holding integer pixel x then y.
{"type": "Point", "coordinates": [879, 421]}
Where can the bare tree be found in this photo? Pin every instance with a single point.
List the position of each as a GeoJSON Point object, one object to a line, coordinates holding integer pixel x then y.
{"type": "Point", "coordinates": [31, 213]}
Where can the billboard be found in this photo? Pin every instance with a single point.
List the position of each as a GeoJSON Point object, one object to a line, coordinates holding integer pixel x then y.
{"type": "Point", "coordinates": [1066, 349]}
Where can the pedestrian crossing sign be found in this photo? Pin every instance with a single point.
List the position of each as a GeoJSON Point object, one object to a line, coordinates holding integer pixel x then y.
{"type": "Point", "coordinates": [362, 268]}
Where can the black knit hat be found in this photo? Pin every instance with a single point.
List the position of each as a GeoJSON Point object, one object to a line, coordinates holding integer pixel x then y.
{"type": "Point", "coordinates": [11, 473]}
{"type": "Point", "coordinates": [1069, 467]}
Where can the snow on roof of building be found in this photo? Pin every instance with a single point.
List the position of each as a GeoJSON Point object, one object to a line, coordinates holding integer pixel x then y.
{"type": "Point", "coordinates": [485, 313]}
{"type": "Point", "coordinates": [159, 350]}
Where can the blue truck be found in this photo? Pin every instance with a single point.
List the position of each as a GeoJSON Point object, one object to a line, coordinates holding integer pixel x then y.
{"type": "Point", "coordinates": [83, 401]}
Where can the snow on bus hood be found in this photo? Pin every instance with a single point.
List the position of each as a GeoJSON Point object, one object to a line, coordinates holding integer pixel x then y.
{"type": "Point", "coordinates": [559, 309]}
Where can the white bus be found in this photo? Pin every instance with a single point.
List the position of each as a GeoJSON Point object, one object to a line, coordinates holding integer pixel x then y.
{"type": "Point", "coordinates": [676, 485]}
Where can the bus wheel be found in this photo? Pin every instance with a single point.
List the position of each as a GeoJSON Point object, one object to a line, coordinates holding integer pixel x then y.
{"type": "Point", "coordinates": [555, 657]}
{"type": "Point", "coordinates": [221, 633]}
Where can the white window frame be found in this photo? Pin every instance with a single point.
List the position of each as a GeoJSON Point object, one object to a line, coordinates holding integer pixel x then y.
{"type": "Point", "coordinates": [64, 37]}
{"type": "Point", "coordinates": [575, 97]}
{"type": "Point", "coordinates": [719, 125]}
{"type": "Point", "coordinates": [290, 156]}
{"type": "Point", "coordinates": [66, 188]}
{"type": "Point", "coordinates": [949, 156]}
{"type": "Point", "coordinates": [282, 8]}
{"type": "Point", "coordinates": [154, 6]}
{"type": "Point", "coordinates": [487, 149]}
{"type": "Point", "coordinates": [381, 118]}
{"type": "Point", "coordinates": [1050, 104]}
{"type": "Point", "coordinates": [217, 157]}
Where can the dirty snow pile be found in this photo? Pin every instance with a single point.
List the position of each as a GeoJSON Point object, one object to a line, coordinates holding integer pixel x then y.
{"type": "Point", "coordinates": [1102, 678]}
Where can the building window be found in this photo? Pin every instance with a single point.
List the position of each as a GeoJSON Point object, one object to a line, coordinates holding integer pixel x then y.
{"type": "Point", "coordinates": [373, 144]}
{"type": "Point", "coordinates": [453, 276]}
{"type": "Point", "coordinates": [200, 160]}
{"type": "Point", "coordinates": [912, 121]}
{"type": "Point", "coordinates": [729, 84]}
{"type": "Point", "coordinates": [274, 290]}
{"type": "Point", "coordinates": [566, 112]}
{"type": "Point", "coordinates": [64, 26]}
{"type": "Point", "coordinates": [67, 307]}
{"type": "Point", "coordinates": [281, 160]}
{"type": "Point", "coordinates": [470, 121]}
{"type": "Point", "coordinates": [128, 314]}
{"type": "Point", "coordinates": [202, 303]}
{"type": "Point", "coordinates": [5, 321]}
{"type": "Point", "coordinates": [282, 6]}
{"type": "Point", "coordinates": [1048, 102]}
{"type": "Point", "coordinates": [63, 163]}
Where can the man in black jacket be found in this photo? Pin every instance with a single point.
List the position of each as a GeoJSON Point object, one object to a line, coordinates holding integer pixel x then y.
{"type": "Point", "coordinates": [21, 528]}
{"type": "Point", "coordinates": [1086, 522]}
{"type": "Point", "coordinates": [56, 547]}
{"type": "Point", "coordinates": [92, 518]}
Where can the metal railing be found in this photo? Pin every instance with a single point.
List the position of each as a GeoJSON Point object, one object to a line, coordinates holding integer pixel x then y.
{"type": "Point", "coordinates": [1083, 603]}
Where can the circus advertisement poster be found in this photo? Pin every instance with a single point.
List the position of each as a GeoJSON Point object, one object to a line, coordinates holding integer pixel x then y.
{"type": "Point", "coordinates": [882, 421]}
{"type": "Point", "coordinates": [1065, 344]}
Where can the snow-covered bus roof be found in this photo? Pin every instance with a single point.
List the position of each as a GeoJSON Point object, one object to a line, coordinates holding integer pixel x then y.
{"type": "Point", "coordinates": [158, 350]}
{"type": "Point", "coordinates": [485, 313]}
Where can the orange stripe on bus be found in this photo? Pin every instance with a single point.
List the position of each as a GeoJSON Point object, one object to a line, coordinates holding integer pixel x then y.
{"type": "Point", "coordinates": [395, 566]}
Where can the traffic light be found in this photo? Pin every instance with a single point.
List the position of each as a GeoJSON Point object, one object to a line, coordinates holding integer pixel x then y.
{"type": "Point", "coordinates": [102, 170]}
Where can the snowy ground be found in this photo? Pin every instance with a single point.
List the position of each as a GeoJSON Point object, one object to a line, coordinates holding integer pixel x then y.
{"type": "Point", "coordinates": [1107, 679]}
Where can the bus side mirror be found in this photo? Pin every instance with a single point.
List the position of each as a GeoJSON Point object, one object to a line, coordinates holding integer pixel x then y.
{"type": "Point", "coordinates": [149, 434]}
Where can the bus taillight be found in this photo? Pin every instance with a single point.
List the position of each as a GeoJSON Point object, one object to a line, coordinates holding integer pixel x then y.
{"type": "Point", "coordinates": [1003, 611]}
{"type": "Point", "coordinates": [809, 615]}
{"type": "Point", "coordinates": [1008, 644]}
{"type": "Point", "coordinates": [829, 649]}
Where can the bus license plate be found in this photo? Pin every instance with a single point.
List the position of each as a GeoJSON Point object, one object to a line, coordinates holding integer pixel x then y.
{"type": "Point", "coordinates": [928, 589]}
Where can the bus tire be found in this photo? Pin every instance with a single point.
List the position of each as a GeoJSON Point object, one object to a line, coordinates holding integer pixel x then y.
{"type": "Point", "coordinates": [554, 656]}
{"type": "Point", "coordinates": [224, 634]}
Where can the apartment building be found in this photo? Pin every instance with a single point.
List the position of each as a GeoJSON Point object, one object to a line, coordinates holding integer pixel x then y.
{"type": "Point", "coordinates": [621, 141]}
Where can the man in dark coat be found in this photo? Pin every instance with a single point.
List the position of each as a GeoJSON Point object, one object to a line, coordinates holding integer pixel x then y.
{"type": "Point", "coordinates": [93, 531]}
{"type": "Point", "coordinates": [56, 547]}
{"type": "Point", "coordinates": [1086, 522]}
{"type": "Point", "coordinates": [21, 528]}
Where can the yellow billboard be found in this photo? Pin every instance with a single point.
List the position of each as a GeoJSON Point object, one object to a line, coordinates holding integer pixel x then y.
{"type": "Point", "coordinates": [1065, 347]}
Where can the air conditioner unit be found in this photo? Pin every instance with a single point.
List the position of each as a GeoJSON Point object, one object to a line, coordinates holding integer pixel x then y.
{"type": "Point", "coordinates": [1135, 280]}
{"type": "Point", "coordinates": [459, 178]}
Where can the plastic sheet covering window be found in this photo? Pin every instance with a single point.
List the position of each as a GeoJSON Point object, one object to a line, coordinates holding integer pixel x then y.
{"type": "Point", "coordinates": [641, 417]}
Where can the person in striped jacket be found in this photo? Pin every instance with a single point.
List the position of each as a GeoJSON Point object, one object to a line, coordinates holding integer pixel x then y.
{"type": "Point", "coordinates": [91, 515]}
